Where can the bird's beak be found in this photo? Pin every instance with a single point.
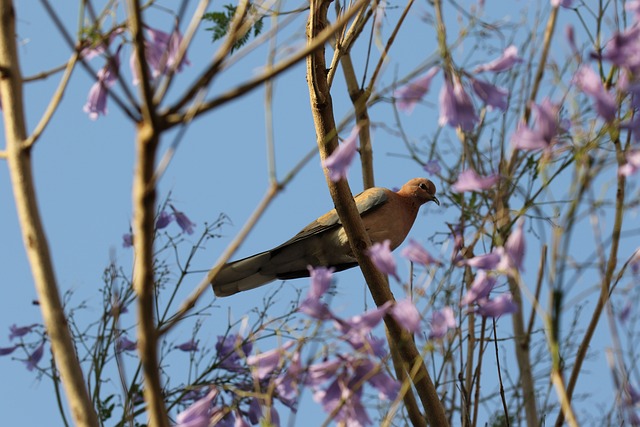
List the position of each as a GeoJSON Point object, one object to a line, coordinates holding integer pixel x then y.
{"type": "Point", "coordinates": [435, 199]}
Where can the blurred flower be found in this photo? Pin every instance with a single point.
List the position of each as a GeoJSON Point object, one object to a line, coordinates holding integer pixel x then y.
{"type": "Point", "coordinates": [265, 363]}
{"type": "Point", "coordinates": [469, 180]}
{"type": "Point", "coordinates": [107, 77]}
{"type": "Point", "coordinates": [339, 160]}
{"type": "Point", "coordinates": [315, 308]}
{"type": "Point", "coordinates": [623, 49]}
{"type": "Point", "coordinates": [17, 332]}
{"type": "Point", "coordinates": [347, 402]}
{"type": "Point", "coordinates": [34, 358]}
{"type": "Point", "coordinates": [456, 108]}
{"type": "Point", "coordinates": [488, 261]}
{"type": "Point", "coordinates": [408, 96]}
{"type": "Point", "coordinates": [634, 262]}
{"type": "Point", "coordinates": [92, 49]}
{"type": "Point", "coordinates": [624, 314]}
{"type": "Point", "coordinates": [441, 322]}
{"type": "Point", "coordinates": [127, 240]}
{"type": "Point", "coordinates": [191, 345]}
{"type": "Point", "coordinates": [229, 349]}
{"type": "Point", "coordinates": [318, 373]}
{"type": "Point", "coordinates": [183, 221]}
{"type": "Point", "coordinates": [382, 258]}
{"type": "Point", "coordinates": [480, 288]}
{"type": "Point", "coordinates": [387, 387]}
{"type": "Point", "coordinates": [544, 134]}
{"type": "Point", "coordinates": [432, 167]}
{"type": "Point", "coordinates": [406, 314]}
{"type": "Point", "coordinates": [125, 344]}
{"type": "Point", "coordinates": [591, 84]}
{"type": "Point", "coordinates": [199, 413]}
{"type": "Point", "coordinates": [161, 53]}
{"type": "Point", "coordinates": [563, 3]}
{"type": "Point", "coordinates": [356, 328]}
{"type": "Point", "coordinates": [570, 34]}
{"type": "Point", "coordinates": [505, 62]}
{"type": "Point", "coordinates": [633, 6]}
{"type": "Point", "coordinates": [633, 163]}
{"type": "Point", "coordinates": [320, 281]}
{"type": "Point", "coordinates": [7, 350]}
{"type": "Point", "coordinates": [493, 96]}
{"type": "Point", "coordinates": [163, 220]}
{"type": "Point", "coordinates": [415, 253]}
{"type": "Point", "coordinates": [496, 307]}
{"type": "Point", "coordinates": [514, 249]}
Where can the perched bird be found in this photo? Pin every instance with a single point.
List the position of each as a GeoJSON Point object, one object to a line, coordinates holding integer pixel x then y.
{"type": "Point", "coordinates": [385, 214]}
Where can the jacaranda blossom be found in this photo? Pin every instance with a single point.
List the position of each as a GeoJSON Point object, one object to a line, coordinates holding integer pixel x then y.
{"type": "Point", "coordinates": [591, 84]}
{"type": "Point", "coordinates": [266, 362]}
{"type": "Point", "coordinates": [408, 96]}
{"type": "Point", "coordinates": [623, 49]}
{"type": "Point", "coordinates": [34, 358]}
{"type": "Point", "coordinates": [161, 53]}
{"type": "Point", "coordinates": [183, 221]}
{"type": "Point", "coordinates": [492, 96]}
{"type": "Point", "coordinates": [469, 180]}
{"type": "Point", "coordinates": [432, 167]}
{"type": "Point", "coordinates": [496, 307]}
{"type": "Point", "coordinates": [106, 78]}
{"type": "Point", "coordinates": [441, 321]}
{"type": "Point", "coordinates": [414, 252]}
{"type": "Point", "coordinates": [456, 108]}
{"type": "Point", "coordinates": [4, 351]}
{"type": "Point", "coordinates": [515, 247]}
{"type": "Point", "coordinates": [339, 161]}
{"type": "Point", "coordinates": [382, 258]}
{"type": "Point", "coordinates": [163, 220]}
{"type": "Point", "coordinates": [127, 240]}
{"type": "Point", "coordinates": [189, 346]}
{"type": "Point", "coordinates": [125, 344]}
{"type": "Point", "coordinates": [545, 131]}
{"type": "Point", "coordinates": [199, 413]}
{"type": "Point", "coordinates": [506, 61]}
{"type": "Point", "coordinates": [20, 331]}
{"type": "Point", "coordinates": [563, 3]}
{"type": "Point", "coordinates": [480, 288]}
{"type": "Point", "coordinates": [633, 164]}
{"type": "Point", "coordinates": [406, 314]}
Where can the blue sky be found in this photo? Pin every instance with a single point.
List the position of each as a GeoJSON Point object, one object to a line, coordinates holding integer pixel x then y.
{"type": "Point", "coordinates": [83, 174]}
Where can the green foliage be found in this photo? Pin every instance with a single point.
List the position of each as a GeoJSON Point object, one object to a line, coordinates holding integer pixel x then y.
{"type": "Point", "coordinates": [222, 20]}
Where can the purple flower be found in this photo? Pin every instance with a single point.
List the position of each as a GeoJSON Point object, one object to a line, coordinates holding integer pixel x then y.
{"type": "Point", "coordinates": [480, 288]}
{"type": "Point", "coordinates": [633, 6]}
{"type": "Point", "coordinates": [441, 322]}
{"type": "Point", "coordinates": [320, 281]}
{"type": "Point", "coordinates": [624, 48]}
{"type": "Point", "coordinates": [380, 254]}
{"type": "Point", "coordinates": [456, 108]}
{"type": "Point", "coordinates": [183, 221]}
{"type": "Point", "coordinates": [508, 59]}
{"type": "Point", "coordinates": [191, 345]}
{"type": "Point", "coordinates": [387, 387]}
{"type": "Point", "coordinates": [633, 163]}
{"type": "Point", "coordinates": [358, 327]}
{"type": "Point", "coordinates": [432, 167]}
{"type": "Point", "coordinates": [125, 344]}
{"type": "Point", "coordinates": [415, 253]}
{"type": "Point", "coordinates": [491, 95]}
{"type": "Point", "coordinates": [408, 96]}
{"type": "Point", "coordinates": [488, 261]}
{"type": "Point", "coordinates": [164, 219]}
{"type": "Point", "coordinates": [17, 332]}
{"type": "Point", "coordinates": [469, 180]}
{"type": "Point", "coordinates": [229, 351]}
{"type": "Point", "coordinates": [161, 53]}
{"type": "Point", "coordinates": [544, 134]}
{"type": "Point", "coordinates": [406, 314]}
{"type": "Point", "coordinates": [591, 84]}
{"type": "Point", "coordinates": [496, 307]}
{"type": "Point", "coordinates": [339, 161]}
{"type": "Point", "coordinates": [7, 350]}
{"type": "Point", "coordinates": [199, 413]}
{"type": "Point", "coordinates": [34, 358]}
{"type": "Point", "coordinates": [624, 314]}
{"type": "Point", "coordinates": [315, 308]}
{"type": "Point", "coordinates": [265, 363]}
{"type": "Point", "coordinates": [97, 98]}
{"type": "Point", "coordinates": [91, 49]}
{"type": "Point", "coordinates": [515, 247]}
{"type": "Point", "coordinates": [318, 373]}
{"type": "Point", "coordinates": [634, 262]}
{"type": "Point", "coordinates": [339, 396]}
{"type": "Point", "coordinates": [571, 38]}
{"type": "Point", "coordinates": [127, 240]}
{"type": "Point", "coordinates": [563, 3]}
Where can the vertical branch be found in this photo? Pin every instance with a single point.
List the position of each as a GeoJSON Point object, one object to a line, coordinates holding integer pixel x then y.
{"type": "Point", "coordinates": [144, 204]}
{"type": "Point", "coordinates": [322, 111]}
{"type": "Point", "coordinates": [33, 234]}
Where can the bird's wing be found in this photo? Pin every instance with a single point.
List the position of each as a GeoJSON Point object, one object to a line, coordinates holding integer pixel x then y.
{"type": "Point", "coordinates": [366, 201]}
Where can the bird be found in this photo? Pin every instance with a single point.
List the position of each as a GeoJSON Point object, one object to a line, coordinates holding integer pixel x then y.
{"type": "Point", "coordinates": [386, 215]}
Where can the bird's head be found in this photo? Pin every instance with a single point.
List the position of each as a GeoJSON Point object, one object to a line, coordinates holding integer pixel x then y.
{"type": "Point", "coordinates": [421, 189]}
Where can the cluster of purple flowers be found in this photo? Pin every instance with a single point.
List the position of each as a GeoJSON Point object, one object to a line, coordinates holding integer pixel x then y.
{"type": "Point", "coordinates": [162, 221]}
{"type": "Point", "coordinates": [162, 55]}
{"type": "Point", "coordinates": [34, 357]}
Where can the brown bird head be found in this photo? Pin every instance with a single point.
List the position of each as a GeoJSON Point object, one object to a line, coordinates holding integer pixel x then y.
{"type": "Point", "coordinates": [420, 189]}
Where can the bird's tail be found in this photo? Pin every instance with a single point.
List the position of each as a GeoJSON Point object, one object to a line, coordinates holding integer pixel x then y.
{"type": "Point", "coordinates": [243, 275]}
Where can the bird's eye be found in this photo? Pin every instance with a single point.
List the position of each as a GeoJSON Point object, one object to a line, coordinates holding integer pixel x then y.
{"type": "Point", "coordinates": [423, 186]}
